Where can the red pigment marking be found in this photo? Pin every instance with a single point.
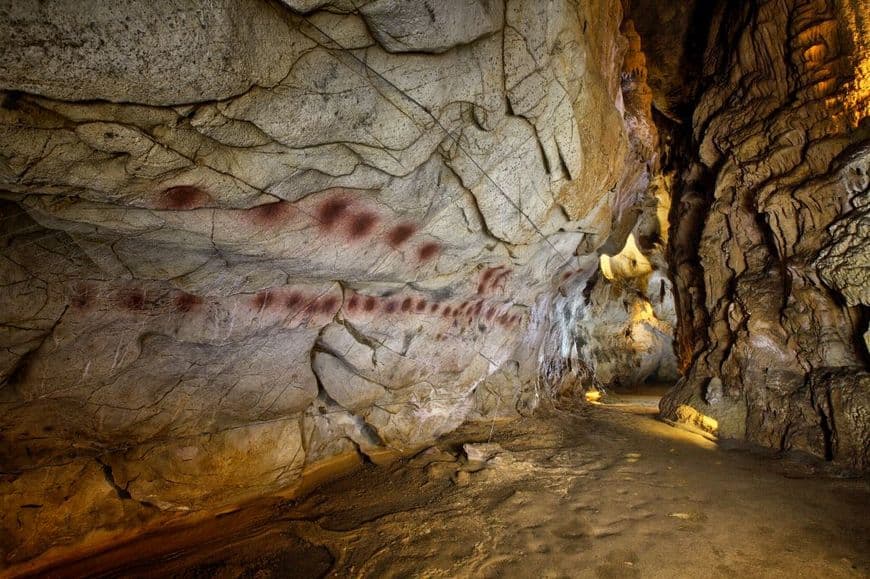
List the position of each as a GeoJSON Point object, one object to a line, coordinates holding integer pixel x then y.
{"type": "Point", "coordinates": [293, 300]}
{"type": "Point", "coordinates": [353, 302]}
{"type": "Point", "coordinates": [400, 234]}
{"type": "Point", "coordinates": [477, 308]}
{"type": "Point", "coordinates": [434, 308]}
{"type": "Point", "coordinates": [566, 275]}
{"type": "Point", "coordinates": [185, 302]}
{"type": "Point", "coordinates": [481, 287]}
{"type": "Point", "coordinates": [362, 225]}
{"type": "Point", "coordinates": [370, 304]}
{"type": "Point", "coordinates": [81, 296]}
{"type": "Point", "coordinates": [184, 198]}
{"type": "Point", "coordinates": [328, 304]}
{"type": "Point", "coordinates": [447, 311]}
{"type": "Point", "coordinates": [331, 211]}
{"type": "Point", "coordinates": [270, 214]}
{"type": "Point", "coordinates": [421, 305]}
{"type": "Point", "coordinates": [263, 300]}
{"type": "Point", "coordinates": [390, 307]}
{"type": "Point", "coordinates": [133, 299]}
{"type": "Point", "coordinates": [406, 304]}
{"type": "Point", "coordinates": [490, 313]}
{"type": "Point", "coordinates": [428, 250]}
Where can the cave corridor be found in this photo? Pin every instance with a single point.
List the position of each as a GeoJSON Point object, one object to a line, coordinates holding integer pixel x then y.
{"type": "Point", "coordinates": [435, 288]}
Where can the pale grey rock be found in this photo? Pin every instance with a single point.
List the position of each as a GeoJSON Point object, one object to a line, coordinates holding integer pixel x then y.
{"type": "Point", "coordinates": [505, 172]}
{"type": "Point", "coordinates": [247, 247]}
{"type": "Point", "coordinates": [344, 385]}
{"type": "Point", "coordinates": [330, 97]}
{"type": "Point", "coordinates": [431, 25]}
{"type": "Point", "coordinates": [713, 392]}
{"type": "Point", "coordinates": [481, 452]}
{"type": "Point", "coordinates": [346, 31]}
{"type": "Point", "coordinates": [164, 52]}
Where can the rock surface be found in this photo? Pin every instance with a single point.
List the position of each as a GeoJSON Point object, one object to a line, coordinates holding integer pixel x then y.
{"type": "Point", "coordinates": [769, 241]}
{"type": "Point", "coordinates": [243, 237]}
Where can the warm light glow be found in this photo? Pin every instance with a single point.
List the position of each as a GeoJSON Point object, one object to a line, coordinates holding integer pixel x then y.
{"type": "Point", "coordinates": [688, 415]}
{"type": "Point", "coordinates": [641, 311]}
{"type": "Point", "coordinates": [662, 185]}
{"type": "Point", "coordinates": [629, 263]}
{"type": "Point", "coordinates": [593, 396]}
{"type": "Point", "coordinates": [857, 100]}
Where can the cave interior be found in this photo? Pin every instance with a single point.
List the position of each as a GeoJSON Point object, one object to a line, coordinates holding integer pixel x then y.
{"type": "Point", "coordinates": [435, 288]}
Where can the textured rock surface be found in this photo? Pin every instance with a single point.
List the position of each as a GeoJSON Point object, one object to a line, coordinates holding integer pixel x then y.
{"type": "Point", "coordinates": [769, 219]}
{"type": "Point", "coordinates": [242, 237]}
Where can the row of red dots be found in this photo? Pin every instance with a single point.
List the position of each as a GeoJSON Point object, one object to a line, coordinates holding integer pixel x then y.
{"type": "Point", "coordinates": [408, 305]}
{"type": "Point", "coordinates": [136, 299]}
{"type": "Point", "coordinates": [357, 223]}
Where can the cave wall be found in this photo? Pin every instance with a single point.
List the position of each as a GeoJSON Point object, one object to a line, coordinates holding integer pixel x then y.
{"type": "Point", "coordinates": [243, 236]}
{"type": "Point", "coordinates": [769, 237]}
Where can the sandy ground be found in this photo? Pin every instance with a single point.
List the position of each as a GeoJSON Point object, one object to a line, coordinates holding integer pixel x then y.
{"type": "Point", "coordinates": [596, 492]}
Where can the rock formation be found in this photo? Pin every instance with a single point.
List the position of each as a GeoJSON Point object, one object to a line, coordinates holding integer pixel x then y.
{"type": "Point", "coordinates": [769, 244]}
{"type": "Point", "coordinates": [241, 237]}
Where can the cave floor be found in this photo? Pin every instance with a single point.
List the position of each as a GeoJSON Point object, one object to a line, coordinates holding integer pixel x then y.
{"type": "Point", "coordinates": [595, 492]}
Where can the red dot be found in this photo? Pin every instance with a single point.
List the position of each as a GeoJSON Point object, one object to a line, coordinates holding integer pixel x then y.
{"type": "Point", "coordinates": [390, 307]}
{"type": "Point", "coordinates": [185, 302]}
{"type": "Point", "coordinates": [293, 300]}
{"type": "Point", "coordinates": [183, 198]}
{"type": "Point", "coordinates": [401, 233]}
{"type": "Point", "coordinates": [434, 308]}
{"type": "Point", "coordinates": [270, 214]}
{"type": "Point", "coordinates": [353, 302]}
{"type": "Point", "coordinates": [133, 299]}
{"type": "Point", "coordinates": [421, 305]}
{"type": "Point", "coordinates": [361, 225]}
{"type": "Point", "coordinates": [370, 304]}
{"type": "Point", "coordinates": [331, 211]}
{"type": "Point", "coordinates": [80, 296]}
{"type": "Point", "coordinates": [263, 300]}
{"type": "Point", "coordinates": [428, 250]}
{"type": "Point", "coordinates": [406, 304]}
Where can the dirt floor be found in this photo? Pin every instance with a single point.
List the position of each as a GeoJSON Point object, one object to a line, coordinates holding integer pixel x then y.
{"type": "Point", "coordinates": [596, 492]}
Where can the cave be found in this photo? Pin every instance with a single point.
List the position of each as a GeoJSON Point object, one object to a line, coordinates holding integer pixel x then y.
{"type": "Point", "coordinates": [435, 288]}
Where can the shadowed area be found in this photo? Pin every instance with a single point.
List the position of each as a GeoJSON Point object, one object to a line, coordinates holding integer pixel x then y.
{"type": "Point", "coordinates": [593, 492]}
